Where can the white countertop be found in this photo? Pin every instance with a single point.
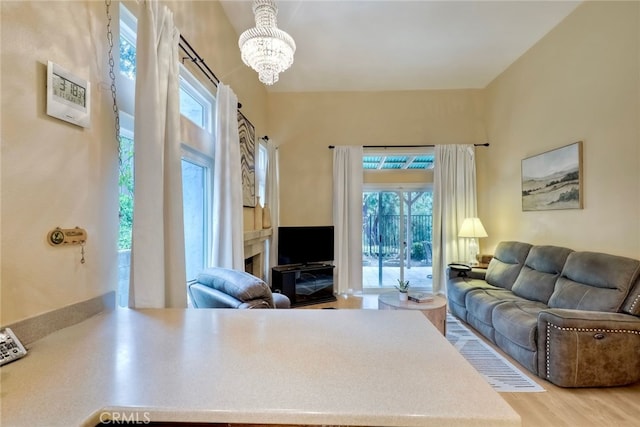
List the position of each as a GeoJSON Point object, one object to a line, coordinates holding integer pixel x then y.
{"type": "Point", "coordinates": [339, 367]}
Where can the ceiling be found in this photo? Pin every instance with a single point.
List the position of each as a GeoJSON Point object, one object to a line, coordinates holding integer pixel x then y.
{"type": "Point", "coordinates": [377, 45]}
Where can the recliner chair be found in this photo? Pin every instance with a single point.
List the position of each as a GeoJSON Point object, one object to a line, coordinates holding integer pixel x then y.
{"type": "Point", "coordinates": [226, 288]}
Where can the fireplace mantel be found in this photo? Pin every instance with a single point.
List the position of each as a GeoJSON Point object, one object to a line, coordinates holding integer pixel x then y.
{"type": "Point", "coordinates": [256, 236]}
{"type": "Point", "coordinates": [254, 247]}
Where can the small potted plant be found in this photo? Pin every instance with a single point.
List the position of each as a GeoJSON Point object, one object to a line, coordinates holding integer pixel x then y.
{"type": "Point", "coordinates": [403, 287]}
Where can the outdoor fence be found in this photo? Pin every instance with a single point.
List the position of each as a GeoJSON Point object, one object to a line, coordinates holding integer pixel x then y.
{"type": "Point", "coordinates": [381, 236]}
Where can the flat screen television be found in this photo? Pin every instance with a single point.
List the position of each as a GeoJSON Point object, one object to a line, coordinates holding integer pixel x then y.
{"type": "Point", "coordinates": [305, 245]}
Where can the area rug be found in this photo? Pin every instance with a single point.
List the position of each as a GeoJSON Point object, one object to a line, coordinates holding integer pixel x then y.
{"type": "Point", "coordinates": [501, 374]}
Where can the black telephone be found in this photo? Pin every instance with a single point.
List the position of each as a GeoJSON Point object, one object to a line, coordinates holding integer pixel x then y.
{"type": "Point", "coordinates": [462, 269]}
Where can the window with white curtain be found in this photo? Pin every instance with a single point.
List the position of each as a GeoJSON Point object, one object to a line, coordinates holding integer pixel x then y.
{"type": "Point", "coordinates": [197, 105]}
{"type": "Point", "coordinates": [125, 80]}
{"type": "Point", "coordinates": [262, 157]}
{"type": "Point", "coordinates": [196, 190]}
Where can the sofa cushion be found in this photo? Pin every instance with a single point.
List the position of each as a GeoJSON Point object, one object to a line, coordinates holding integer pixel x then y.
{"type": "Point", "coordinates": [595, 281]}
{"type": "Point", "coordinates": [506, 263]}
{"type": "Point", "coordinates": [540, 272]}
{"type": "Point", "coordinates": [481, 302]}
{"type": "Point", "coordinates": [517, 321]}
{"type": "Point", "coordinates": [457, 288]}
{"type": "Point", "coordinates": [516, 331]}
{"type": "Point", "coordinates": [238, 284]}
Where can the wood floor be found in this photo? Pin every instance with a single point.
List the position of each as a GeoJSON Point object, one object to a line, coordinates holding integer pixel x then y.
{"type": "Point", "coordinates": [557, 406]}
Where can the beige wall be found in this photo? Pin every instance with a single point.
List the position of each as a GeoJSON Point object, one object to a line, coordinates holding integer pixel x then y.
{"type": "Point", "coordinates": [580, 82]}
{"type": "Point", "coordinates": [56, 174]}
{"type": "Point", "coordinates": [305, 124]}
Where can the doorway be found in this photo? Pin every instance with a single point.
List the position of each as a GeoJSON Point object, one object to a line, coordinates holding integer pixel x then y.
{"type": "Point", "coordinates": [396, 238]}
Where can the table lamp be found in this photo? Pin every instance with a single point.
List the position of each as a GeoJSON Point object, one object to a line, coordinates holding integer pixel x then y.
{"type": "Point", "coordinates": [472, 228]}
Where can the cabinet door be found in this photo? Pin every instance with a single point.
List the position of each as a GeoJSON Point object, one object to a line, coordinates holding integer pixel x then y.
{"type": "Point", "coordinates": [314, 285]}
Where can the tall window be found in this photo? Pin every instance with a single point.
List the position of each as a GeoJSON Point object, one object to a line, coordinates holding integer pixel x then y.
{"type": "Point", "coordinates": [126, 93]}
{"type": "Point", "coordinates": [196, 103]}
{"type": "Point", "coordinates": [197, 106]}
{"type": "Point", "coordinates": [195, 189]}
{"type": "Point", "coordinates": [261, 170]}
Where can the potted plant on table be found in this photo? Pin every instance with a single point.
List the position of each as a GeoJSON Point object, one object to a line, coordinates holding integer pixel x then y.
{"type": "Point", "coordinates": [403, 287]}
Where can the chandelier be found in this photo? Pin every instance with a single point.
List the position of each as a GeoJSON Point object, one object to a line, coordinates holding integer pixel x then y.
{"type": "Point", "coordinates": [266, 48]}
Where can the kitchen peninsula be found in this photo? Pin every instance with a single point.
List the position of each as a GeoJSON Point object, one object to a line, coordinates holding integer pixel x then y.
{"type": "Point", "coordinates": [311, 367]}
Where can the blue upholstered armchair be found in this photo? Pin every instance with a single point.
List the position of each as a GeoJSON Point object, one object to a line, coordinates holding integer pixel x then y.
{"type": "Point", "coordinates": [226, 288]}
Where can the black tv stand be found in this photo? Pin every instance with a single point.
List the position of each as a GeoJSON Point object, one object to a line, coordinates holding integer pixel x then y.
{"type": "Point", "coordinates": [304, 284]}
{"type": "Point", "coordinates": [310, 265]}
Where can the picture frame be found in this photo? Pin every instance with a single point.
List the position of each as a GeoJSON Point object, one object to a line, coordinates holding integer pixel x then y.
{"type": "Point", "coordinates": [553, 180]}
{"type": "Point", "coordinates": [247, 134]}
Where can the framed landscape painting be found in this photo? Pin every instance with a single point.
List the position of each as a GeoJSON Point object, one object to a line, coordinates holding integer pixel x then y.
{"type": "Point", "coordinates": [553, 180]}
{"type": "Point", "coordinates": [247, 134]}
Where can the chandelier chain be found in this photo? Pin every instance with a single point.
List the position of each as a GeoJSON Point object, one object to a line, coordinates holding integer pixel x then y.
{"type": "Point", "coordinates": [112, 75]}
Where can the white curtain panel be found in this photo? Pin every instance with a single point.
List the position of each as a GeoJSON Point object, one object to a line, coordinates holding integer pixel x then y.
{"type": "Point", "coordinates": [272, 200]}
{"type": "Point", "coordinates": [158, 277]}
{"type": "Point", "coordinates": [454, 199]}
{"type": "Point", "coordinates": [347, 218]}
{"type": "Point", "coordinates": [228, 241]}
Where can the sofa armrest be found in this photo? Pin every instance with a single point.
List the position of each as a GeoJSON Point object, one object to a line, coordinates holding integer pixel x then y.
{"type": "Point", "coordinates": [478, 273]}
{"type": "Point", "coordinates": [205, 297]}
{"type": "Point", "coordinates": [578, 348]}
{"type": "Point", "coordinates": [281, 300]}
{"type": "Point", "coordinates": [255, 303]}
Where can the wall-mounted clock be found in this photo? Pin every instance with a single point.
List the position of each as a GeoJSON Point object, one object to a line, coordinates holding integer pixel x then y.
{"type": "Point", "coordinates": [68, 96]}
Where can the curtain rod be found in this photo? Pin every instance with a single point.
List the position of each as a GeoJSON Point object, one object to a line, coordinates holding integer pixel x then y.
{"type": "Point", "coordinates": [193, 56]}
{"type": "Point", "coordinates": [486, 144]}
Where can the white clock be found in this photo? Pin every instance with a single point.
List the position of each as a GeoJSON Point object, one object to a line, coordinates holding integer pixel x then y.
{"type": "Point", "coordinates": [68, 96]}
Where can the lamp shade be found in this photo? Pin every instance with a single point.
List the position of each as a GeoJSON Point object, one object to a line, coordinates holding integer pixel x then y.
{"type": "Point", "coordinates": [472, 227]}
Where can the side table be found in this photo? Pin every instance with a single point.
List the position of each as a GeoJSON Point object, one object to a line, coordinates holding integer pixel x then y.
{"type": "Point", "coordinates": [435, 311]}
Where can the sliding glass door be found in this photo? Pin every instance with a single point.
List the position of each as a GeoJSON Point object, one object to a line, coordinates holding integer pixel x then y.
{"type": "Point", "coordinates": [396, 238]}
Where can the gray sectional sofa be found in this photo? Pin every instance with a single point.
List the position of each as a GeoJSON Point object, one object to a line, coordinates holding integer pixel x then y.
{"type": "Point", "coordinates": [572, 318]}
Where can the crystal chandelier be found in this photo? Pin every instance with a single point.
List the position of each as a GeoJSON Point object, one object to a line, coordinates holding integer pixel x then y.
{"type": "Point", "coordinates": [266, 48]}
